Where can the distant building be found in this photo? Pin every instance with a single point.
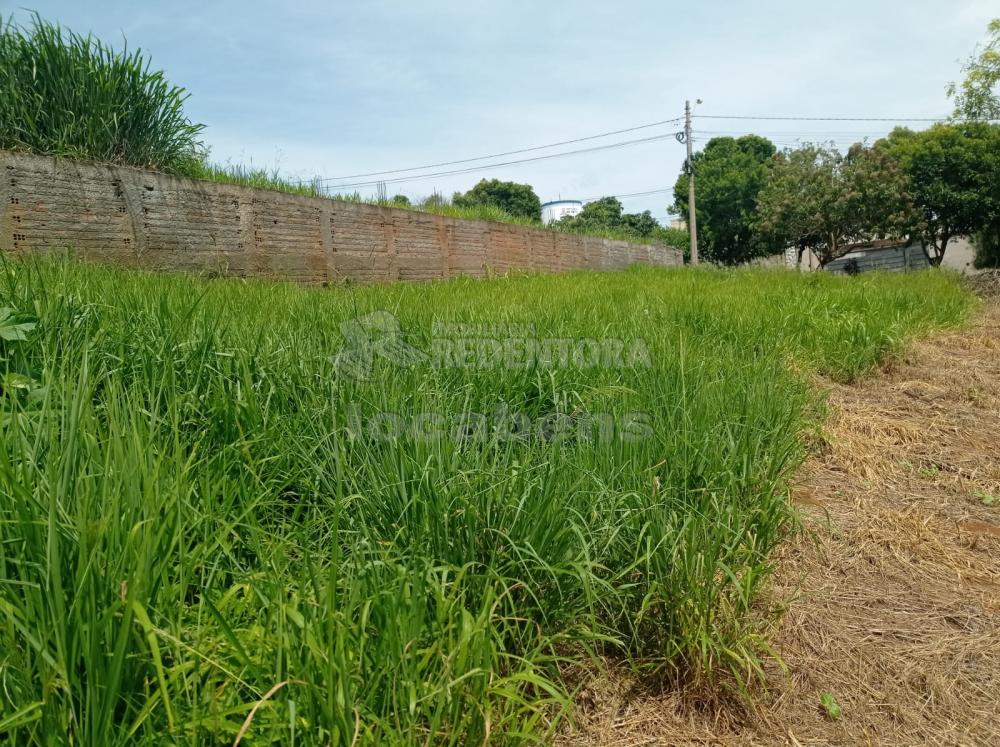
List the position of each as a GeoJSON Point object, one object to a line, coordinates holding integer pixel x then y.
{"type": "Point", "coordinates": [679, 223]}
{"type": "Point", "coordinates": [559, 209]}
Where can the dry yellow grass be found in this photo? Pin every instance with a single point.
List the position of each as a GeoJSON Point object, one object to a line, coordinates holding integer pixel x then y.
{"type": "Point", "coordinates": [893, 589]}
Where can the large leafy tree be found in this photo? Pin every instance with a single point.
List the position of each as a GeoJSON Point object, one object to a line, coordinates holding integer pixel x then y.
{"type": "Point", "coordinates": [953, 173]}
{"type": "Point", "coordinates": [978, 95]}
{"type": "Point", "coordinates": [515, 199]}
{"type": "Point", "coordinates": [730, 172]}
{"type": "Point", "coordinates": [819, 199]}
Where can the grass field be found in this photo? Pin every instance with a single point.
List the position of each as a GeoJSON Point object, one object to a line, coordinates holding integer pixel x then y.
{"type": "Point", "coordinates": [253, 512]}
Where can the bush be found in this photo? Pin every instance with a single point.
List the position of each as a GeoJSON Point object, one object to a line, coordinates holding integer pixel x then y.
{"type": "Point", "coordinates": [66, 94]}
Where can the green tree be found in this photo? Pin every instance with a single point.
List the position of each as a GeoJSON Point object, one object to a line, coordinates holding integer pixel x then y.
{"type": "Point", "coordinates": [515, 199]}
{"type": "Point", "coordinates": [641, 224]}
{"type": "Point", "coordinates": [730, 173]}
{"type": "Point", "coordinates": [878, 192]}
{"type": "Point", "coordinates": [978, 95]}
{"type": "Point", "coordinates": [977, 98]}
{"type": "Point", "coordinates": [954, 176]}
{"type": "Point", "coordinates": [603, 214]}
{"type": "Point", "coordinates": [819, 199]}
{"type": "Point", "coordinates": [607, 215]}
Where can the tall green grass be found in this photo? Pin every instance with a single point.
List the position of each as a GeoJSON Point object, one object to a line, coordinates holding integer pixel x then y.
{"type": "Point", "coordinates": [66, 94]}
{"type": "Point", "coordinates": [199, 543]}
{"type": "Point", "coordinates": [260, 178]}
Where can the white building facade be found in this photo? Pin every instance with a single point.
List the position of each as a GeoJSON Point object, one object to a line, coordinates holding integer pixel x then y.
{"type": "Point", "coordinates": [559, 209]}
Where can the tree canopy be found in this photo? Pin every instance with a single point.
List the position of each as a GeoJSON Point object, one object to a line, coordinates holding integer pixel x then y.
{"type": "Point", "coordinates": [953, 176]}
{"type": "Point", "coordinates": [819, 199]}
{"type": "Point", "coordinates": [607, 215]}
{"type": "Point", "coordinates": [729, 172]}
{"type": "Point", "coordinates": [978, 95]}
{"type": "Point", "coordinates": [515, 199]}
{"type": "Point", "coordinates": [933, 185]}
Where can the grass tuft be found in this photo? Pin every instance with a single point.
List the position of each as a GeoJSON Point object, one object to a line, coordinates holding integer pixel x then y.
{"type": "Point", "coordinates": [65, 94]}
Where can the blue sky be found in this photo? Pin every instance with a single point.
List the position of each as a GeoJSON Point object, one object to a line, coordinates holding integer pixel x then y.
{"type": "Point", "coordinates": [332, 88]}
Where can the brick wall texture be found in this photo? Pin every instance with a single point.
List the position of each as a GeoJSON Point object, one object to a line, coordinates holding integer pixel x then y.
{"type": "Point", "coordinates": [145, 219]}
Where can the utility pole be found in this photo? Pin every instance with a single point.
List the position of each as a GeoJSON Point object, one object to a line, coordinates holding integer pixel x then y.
{"type": "Point", "coordinates": [692, 219]}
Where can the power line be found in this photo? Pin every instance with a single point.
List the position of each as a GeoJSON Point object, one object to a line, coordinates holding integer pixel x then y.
{"type": "Point", "coordinates": [823, 119]}
{"type": "Point", "coordinates": [801, 136]}
{"type": "Point", "coordinates": [419, 177]}
{"type": "Point", "coordinates": [630, 194]}
{"type": "Point", "coordinates": [795, 132]}
{"type": "Point", "coordinates": [584, 139]}
{"type": "Point", "coordinates": [505, 153]}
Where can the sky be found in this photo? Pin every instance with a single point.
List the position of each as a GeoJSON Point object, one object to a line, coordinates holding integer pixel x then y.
{"type": "Point", "coordinates": [332, 89]}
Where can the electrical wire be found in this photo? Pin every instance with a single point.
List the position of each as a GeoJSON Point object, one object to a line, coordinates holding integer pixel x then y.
{"type": "Point", "coordinates": [821, 119]}
{"type": "Point", "coordinates": [782, 139]}
{"type": "Point", "coordinates": [799, 137]}
{"type": "Point", "coordinates": [419, 177]}
{"type": "Point", "coordinates": [500, 155]}
{"type": "Point", "coordinates": [630, 194]}
{"type": "Point", "coordinates": [764, 117]}
{"type": "Point", "coordinates": [780, 133]}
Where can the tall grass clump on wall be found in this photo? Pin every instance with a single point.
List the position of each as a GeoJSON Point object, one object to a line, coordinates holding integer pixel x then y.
{"type": "Point", "coordinates": [62, 93]}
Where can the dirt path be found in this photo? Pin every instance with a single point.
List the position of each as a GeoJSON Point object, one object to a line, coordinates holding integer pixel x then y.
{"type": "Point", "coordinates": [895, 586]}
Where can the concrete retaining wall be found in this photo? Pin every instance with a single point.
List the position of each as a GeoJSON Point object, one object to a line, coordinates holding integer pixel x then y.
{"type": "Point", "coordinates": [141, 218]}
